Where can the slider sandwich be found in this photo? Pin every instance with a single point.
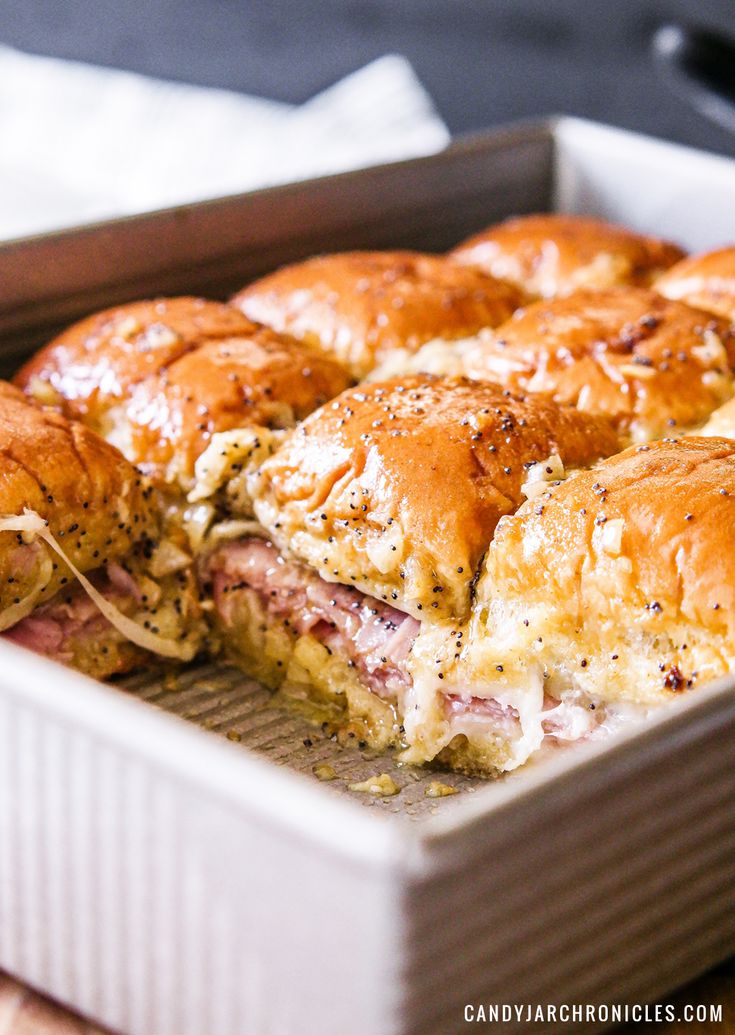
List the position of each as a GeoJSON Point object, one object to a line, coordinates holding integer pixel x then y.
{"type": "Point", "coordinates": [652, 365]}
{"type": "Point", "coordinates": [551, 254]}
{"type": "Point", "coordinates": [603, 597]}
{"type": "Point", "coordinates": [89, 574]}
{"type": "Point", "coordinates": [374, 516]}
{"type": "Point", "coordinates": [364, 307]}
{"type": "Point", "coordinates": [169, 381]}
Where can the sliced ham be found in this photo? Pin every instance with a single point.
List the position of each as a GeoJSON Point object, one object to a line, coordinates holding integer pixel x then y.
{"type": "Point", "coordinates": [375, 637]}
{"type": "Point", "coordinates": [43, 634]}
{"type": "Point", "coordinates": [72, 616]}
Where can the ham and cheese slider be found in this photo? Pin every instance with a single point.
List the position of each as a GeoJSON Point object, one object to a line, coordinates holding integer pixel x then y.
{"type": "Point", "coordinates": [550, 254]}
{"type": "Point", "coordinates": [375, 515]}
{"type": "Point", "coordinates": [602, 597]}
{"type": "Point", "coordinates": [364, 307]}
{"type": "Point", "coordinates": [169, 380]}
{"type": "Point", "coordinates": [87, 575]}
{"type": "Point", "coordinates": [652, 365]}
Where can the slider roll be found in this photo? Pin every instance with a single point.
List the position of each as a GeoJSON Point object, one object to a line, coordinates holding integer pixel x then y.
{"type": "Point", "coordinates": [364, 307]}
{"type": "Point", "coordinates": [550, 254]}
{"type": "Point", "coordinates": [92, 365]}
{"type": "Point", "coordinates": [162, 379]}
{"type": "Point", "coordinates": [654, 366]}
{"type": "Point", "coordinates": [375, 514]}
{"type": "Point", "coordinates": [88, 573]}
{"type": "Point", "coordinates": [601, 598]}
{"type": "Point", "coordinates": [396, 488]}
{"type": "Point", "coordinates": [95, 503]}
{"type": "Point", "coordinates": [706, 281]}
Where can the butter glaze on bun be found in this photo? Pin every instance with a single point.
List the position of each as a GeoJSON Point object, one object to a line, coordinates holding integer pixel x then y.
{"type": "Point", "coordinates": [721, 423]}
{"type": "Point", "coordinates": [706, 281]}
{"type": "Point", "coordinates": [650, 364]}
{"type": "Point", "coordinates": [548, 255]}
{"type": "Point", "coordinates": [396, 488]}
{"type": "Point", "coordinates": [362, 306]}
{"type": "Point", "coordinates": [258, 379]}
{"type": "Point", "coordinates": [91, 365]}
{"type": "Point", "coordinates": [159, 379]}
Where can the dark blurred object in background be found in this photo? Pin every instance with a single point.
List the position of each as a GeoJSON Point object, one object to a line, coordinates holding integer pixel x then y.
{"type": "Point", "coordinates": [484, 61]}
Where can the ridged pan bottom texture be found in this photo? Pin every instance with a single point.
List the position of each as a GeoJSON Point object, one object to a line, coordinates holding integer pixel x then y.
{"type": "Point", "coordinates": [225, 701]}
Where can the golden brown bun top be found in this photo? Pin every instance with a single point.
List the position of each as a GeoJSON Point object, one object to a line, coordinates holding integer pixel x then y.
{"type": "Point", "coordinates": [396, 487]}
{"type": "Point", "coordinates": [721, 423]}
{"type": "Point", "coordinates": [361, 306]}
{"type": "Point", "coordinates": [706, 281]}
{"type": "Point", "coordinates": [648, 363]}
{"type": "Point", "coordinates": [258, 379]}
{"type": "Point", "coordinates": [97, 505]}
{"type": "Point", "coordinates": [93, 363]}
{"type": "Point", "coordinates": [632, 561]}
{"type": "Point", "coordinates": [547, 255]}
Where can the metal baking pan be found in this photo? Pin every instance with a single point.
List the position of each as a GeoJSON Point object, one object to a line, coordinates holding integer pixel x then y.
{"type": "Point", "coordinates": [172, 877]}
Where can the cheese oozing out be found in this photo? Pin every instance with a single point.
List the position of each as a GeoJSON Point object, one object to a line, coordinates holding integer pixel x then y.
{"type": "Point", "coordinates": [32, 526]}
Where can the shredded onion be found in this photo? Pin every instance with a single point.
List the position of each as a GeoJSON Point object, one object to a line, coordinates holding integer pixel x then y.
{"type": "Point", "coordinates": [32, 525]}
{"type": "Point", "coordinates": [167, 559]}
{"type": "Point", "coordinates": [235, 529]}
{"type": "Point", "coordinates": [541, 474]}
{"type": "Point", "coordinates": [227, 454]}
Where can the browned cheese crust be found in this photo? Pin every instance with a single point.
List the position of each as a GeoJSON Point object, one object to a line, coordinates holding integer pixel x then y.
{"type": "Point", "coordinates": [706, 281]}
{"type": "Point", "coordinates": [651, 364]}
{"type": "Point", "coordinates": [548, 255]}
{"type": "Point", "coordinates": [362, 306]}
{"type": "Point", "coordinates": [396, 488]}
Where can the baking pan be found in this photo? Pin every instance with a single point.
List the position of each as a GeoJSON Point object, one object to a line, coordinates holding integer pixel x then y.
{"type": "Point", "coordinates": [169, 862]}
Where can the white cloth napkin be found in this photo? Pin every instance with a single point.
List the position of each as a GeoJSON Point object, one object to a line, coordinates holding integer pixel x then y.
{"type": "Point", "coordinates": [80, 143]}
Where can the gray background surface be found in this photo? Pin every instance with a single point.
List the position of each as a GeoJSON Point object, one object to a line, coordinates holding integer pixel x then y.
{"type": "Point", "coordinates": [484, 61]}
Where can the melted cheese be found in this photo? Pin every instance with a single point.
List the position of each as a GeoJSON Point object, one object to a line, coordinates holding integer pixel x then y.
{"type": "Point", "coordinates": [33, 526]}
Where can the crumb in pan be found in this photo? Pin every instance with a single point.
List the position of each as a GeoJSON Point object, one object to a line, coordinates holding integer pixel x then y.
{"type": "Point", "coordinates": [437, 789]}
{"type": "Point", "coordinates": [381, 786]}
